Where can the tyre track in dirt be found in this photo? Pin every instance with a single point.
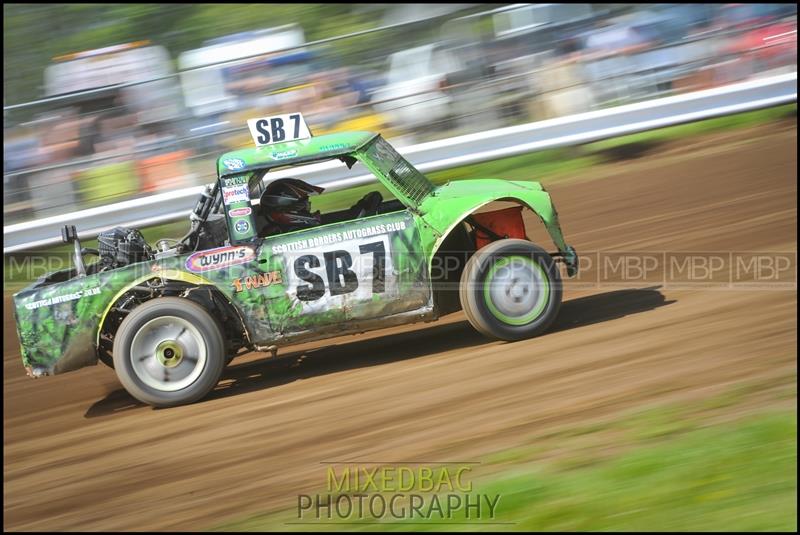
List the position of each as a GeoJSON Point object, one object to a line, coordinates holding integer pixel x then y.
{"type": "Point", "coordinates": [79, 453]}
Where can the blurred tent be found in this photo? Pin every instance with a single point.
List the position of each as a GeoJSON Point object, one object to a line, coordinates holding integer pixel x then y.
{"type": "Point", "coordinates": [405, 13]}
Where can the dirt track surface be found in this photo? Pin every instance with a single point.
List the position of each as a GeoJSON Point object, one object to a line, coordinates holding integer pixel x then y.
{"type": "Point", "coordinates": [79, 453]}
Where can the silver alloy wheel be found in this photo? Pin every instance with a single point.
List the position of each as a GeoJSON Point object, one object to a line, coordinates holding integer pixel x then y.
{"type": "Point", "coordinates": [168, 353]}
{"type": "Point", "coordinates": [517, 290]}
{"type": "Point", "coordinates": [511, 290]}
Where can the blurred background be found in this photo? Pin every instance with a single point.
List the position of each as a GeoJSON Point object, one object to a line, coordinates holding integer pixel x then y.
{"type": "Point", "coordinates": [123, 101]}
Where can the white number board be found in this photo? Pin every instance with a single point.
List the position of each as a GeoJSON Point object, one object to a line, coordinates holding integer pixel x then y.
{"type": "Point", "coordinates": [350, 272]}
{"type": "Point", "coordinates": [278, 129]}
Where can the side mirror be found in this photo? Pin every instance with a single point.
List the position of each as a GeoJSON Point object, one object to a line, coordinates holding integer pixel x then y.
{"type": "Point", "coordinates": [69, 234]}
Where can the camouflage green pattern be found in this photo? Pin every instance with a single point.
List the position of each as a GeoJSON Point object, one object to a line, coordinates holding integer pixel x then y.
{"type": "Point", "coordinates": [336, 279]}
{"type": "Point", "coordinates": [275, 312]}
{"type": "Point", "coordinates": [61, 336]}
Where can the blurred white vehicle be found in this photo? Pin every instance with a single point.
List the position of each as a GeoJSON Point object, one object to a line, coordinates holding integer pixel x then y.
{"type": "Point", "coordinates": [452, 83]}
{"type": "Point", "coordinates": [229, 77]}
{"type": "Point", "coordinates": [92, 76]}
{"type": "Point", "coordinates": [206, 87]}
{"type": "Point", "coordinates": [413, 96]}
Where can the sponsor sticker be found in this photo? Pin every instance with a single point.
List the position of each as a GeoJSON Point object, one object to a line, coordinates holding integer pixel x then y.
{"type": "Point", "coordinates": [234, 164]}
{"type": "Point", "coordinates": [219, 258]}
{"type": "Point", "coordinates": [240, 212]}
{"type": "Point", "coordinates": [236, 180]}
{"type": "Point", "coordinates": [260, 280]}
{"type": "Point", "coordinates": [242, 226]}
{"type": "Point", "coordinates": [341, 236]}
{"type": "Point", "coordinates": [235, 194]}
{"type": "Point", "coordinates": [62, 298]}
{"type": "Point", "coordinates": [334, 146]}
{"type": "Point", "coordinates": [283, 154]}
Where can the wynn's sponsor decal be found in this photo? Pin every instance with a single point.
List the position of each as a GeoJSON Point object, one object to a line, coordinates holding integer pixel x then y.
{"type": "Point", "coordinates": [235, 194]}
{"type": "Point", "coordinates": [238, 212]}
{"type": "Point", "coordinates": [62, 298]}
{"type": "Point", "coordinates": [219, 258]}
{"type": "Point", "coordinates": [260, 280]}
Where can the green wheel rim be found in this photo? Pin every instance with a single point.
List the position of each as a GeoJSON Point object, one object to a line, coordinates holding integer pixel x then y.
{"type": "Point", "coordinates": [514, 283]}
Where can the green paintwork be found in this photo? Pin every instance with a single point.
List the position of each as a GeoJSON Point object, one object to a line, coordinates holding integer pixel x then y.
{"type": "Point", "coordinates": [453, 201]}
{"type": "Point", "coordinates": [62, 337]}
{"type": "Point", "coordinates": [58, 337]}
{"type": "Point", "coordinates": [302, 151]}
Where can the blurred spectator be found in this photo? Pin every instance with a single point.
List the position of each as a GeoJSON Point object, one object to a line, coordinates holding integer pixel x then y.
{"type": "Point", "coordinates": [613, 39]}
{"type": "Point", "coordinates": [496, 68]}
{"type": "Point", "coordinates": [332, 97]}
{"type": "Point", "coordinates": [52, 191]}
{"type": "Point", "coordinates": [744, 16]}
{"type": "Point", "coordinates": [343, 87]}
{"type": "Point", "coordinates": [20, 152]}
{"type": "Point", "coordinates": [116, 130]}
{"type": "Point", "coordinates": [605, 54]}
{"type": "Point", "coordinates": [562, 84]}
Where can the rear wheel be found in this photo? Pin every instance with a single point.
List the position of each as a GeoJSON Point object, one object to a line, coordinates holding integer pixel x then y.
{"type": "Point", "coordinates": [169, 351]}
{"type": "Point", "coordinates": [511, 289]}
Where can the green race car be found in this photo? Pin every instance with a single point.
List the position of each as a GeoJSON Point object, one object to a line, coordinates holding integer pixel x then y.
{"type": "Point", "coordinates": [258, 270]}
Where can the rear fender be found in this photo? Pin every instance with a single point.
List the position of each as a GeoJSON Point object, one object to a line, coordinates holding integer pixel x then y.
{"type": "Point", "coordinates": [452, 203]}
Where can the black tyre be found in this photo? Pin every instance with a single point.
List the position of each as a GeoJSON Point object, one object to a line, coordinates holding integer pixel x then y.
{"type": "Point", "coordinates": [169, 351]}
{"type": "Point", "coordinates": [106, 358]}
{"type": "Point", "coordinates": [511, 289]}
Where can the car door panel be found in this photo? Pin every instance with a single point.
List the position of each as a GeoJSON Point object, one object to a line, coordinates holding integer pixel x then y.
{"type": "Point", "coordinates": [355, 270]}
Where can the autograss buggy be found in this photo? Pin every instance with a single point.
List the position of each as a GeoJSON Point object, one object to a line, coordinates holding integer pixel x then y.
{"type": "Point", "coordinates": [169, 318]}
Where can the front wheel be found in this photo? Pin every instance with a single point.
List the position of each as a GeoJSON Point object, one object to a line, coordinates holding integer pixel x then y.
{"type": "Point", "coordinates": [511, 289]}
{"type": "Point", "coordinates": [169, 351]}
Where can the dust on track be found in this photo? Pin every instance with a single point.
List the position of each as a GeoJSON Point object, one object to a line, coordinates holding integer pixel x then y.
{"type": "Point", "coordinates": [80, 453]}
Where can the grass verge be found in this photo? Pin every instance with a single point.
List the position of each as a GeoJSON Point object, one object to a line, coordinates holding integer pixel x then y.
{"type": "Point", "coordinates": [637, 473]}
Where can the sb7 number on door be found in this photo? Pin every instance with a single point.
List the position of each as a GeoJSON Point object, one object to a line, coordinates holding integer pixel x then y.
{"type": "Point", "coordinates": [341, 279]}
